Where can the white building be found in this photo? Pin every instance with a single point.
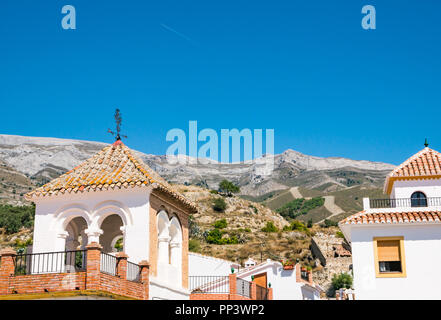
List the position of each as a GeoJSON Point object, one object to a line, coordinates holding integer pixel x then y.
{"type": "Point", "coordinates": [396, 242]}
{"type": "Point", "coordinates": [286, 284]}
{"type": "Point", "coordinates": [114, 196]}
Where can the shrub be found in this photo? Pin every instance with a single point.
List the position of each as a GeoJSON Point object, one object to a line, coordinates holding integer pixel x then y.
{"type": "Point", "coordinates": [299, 206]}
{"type": "Point", "coordinates": [194, 245]}
{"type": "Point", "coordinates": [270, 227]}
{"type": "Point", "coordinates": [215, 237]}
{"type": "Point", "coordinates": [219, 205]}
{"type": "Point", "coordinates": [309, 223]}
{"type": "Point", "coordinates": [339, 234]}
{"type": "Point", "coordinates": [343, 280]}
{"type": "Point", "coordinates": [214, 191]}
{"type": "Point", "coordinates": [329, 223]}
{"type": "Point", "coordinates": [220, 224]}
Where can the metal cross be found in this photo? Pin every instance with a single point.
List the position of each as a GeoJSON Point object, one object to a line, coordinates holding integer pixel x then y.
{"type": "Point", "coordinates": [118, 120]}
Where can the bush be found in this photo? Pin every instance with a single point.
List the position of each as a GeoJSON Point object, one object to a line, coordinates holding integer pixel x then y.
{"type": "Point", "coordinates": [194, 245]}
{"type": "Point", "coordinates": [270, 227]}
{"type": "Point", "coordinates": [228, 187]}
{"type": "Point", "coordinates": [219, 205]}
{"type": "Point", "coordinates": [299, 206]}
{"type": "Point", "coordinates": [12, 218]}
{"type": "Point", "coordinates": [343, 280]}
{"type": "Point", "coordinates": [329, 223]}
{"type": "Point", "coordinates": [309, 223]}
{"type": "Point", "coordinates": [215, 237]}
{"type": "Point", "coordinates": [214, 191]}
{"type": "Point", "coordinates": [220, 224]}
{"type": "Point", "coordinates": [339, 234]}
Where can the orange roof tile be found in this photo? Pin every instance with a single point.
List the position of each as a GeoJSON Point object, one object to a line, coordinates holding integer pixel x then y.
{"type": "Point", "coordinates": [425, 163]}
{"type": "Point", "coordinates": [364, 217]}
{"type": "Point", "coordinates": [112, 167]}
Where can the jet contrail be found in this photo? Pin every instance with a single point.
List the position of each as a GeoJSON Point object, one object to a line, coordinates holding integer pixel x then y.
{"type": "Point", "coordinates": [176, 32]}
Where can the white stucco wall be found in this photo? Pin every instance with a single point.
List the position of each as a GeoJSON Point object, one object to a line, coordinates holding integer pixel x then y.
{"type": "Point", "coordinates": [200, 265]}
{"type": "Point", "coordinates": [159, 290]}
{"type": "Point", "coordinates": [132, 205]}
{"type": "Point", "coordinates": [422, 251]}
{"type": "Point", "coordinates": [282, 281]}
{"type": "Point", "coordinates": [405, 188]}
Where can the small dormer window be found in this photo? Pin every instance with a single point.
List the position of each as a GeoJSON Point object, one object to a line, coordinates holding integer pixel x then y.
{"type": "Point", "coordinates": [418, 199]}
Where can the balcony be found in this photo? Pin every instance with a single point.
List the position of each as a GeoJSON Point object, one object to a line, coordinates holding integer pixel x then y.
{"type": "Point", "coordinates": [401, 203]}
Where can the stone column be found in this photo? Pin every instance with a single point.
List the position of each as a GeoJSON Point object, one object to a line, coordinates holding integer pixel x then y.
{"type": "Point", "coordinates": [7, 268]}
{"type": "Point", "coordinates": [163, 254]}
{"type": "Point", "coordinates": [145, 273]}
{"type": "Point", "coordinates": [93, 235]}
{"type": "Point", "coordinates": [175, 251]}
{"type": "Point", "coordinates": [93, 266]}
{"type": "Point", "coordinates": [121, 266]}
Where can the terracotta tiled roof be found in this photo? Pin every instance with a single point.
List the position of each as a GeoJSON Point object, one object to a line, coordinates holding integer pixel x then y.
{"type": "Point", "coordinates": [425, 163]}
{"type": "Point", "coordinates": [364, 217]}
{"type": "Point", "coordinates": [114, 167]}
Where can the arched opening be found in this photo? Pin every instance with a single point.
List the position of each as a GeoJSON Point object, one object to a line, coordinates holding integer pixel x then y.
{"type": "Point", "coordinates": [76, 238]}
{"type": "Point", "coordinates": [112, 233]}
{"type": "Point", "coordinates": [163, 238]}
{"type": "Point", "coordinates": [418, 199]}
{"type": "Point", "coordinates": [175, 243]}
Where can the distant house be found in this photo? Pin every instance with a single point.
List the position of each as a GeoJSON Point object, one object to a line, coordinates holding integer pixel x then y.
{"type": "Point", "coordinates": [396, 242]}
{"type": "Point", "coordinates": [250, 263]}
{"type": "Point", "coordinates": [286, 283]}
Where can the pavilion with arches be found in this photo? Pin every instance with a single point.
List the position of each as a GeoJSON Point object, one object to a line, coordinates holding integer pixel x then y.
{"type": "Point", "coordinates": [115, 200]}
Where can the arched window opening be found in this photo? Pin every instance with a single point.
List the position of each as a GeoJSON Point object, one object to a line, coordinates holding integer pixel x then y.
{"type": "Point", "coordinates": [111, 227]}
{"type": "Point", "coordinates": [418, 199]}
{"type": "Point", "coordinates": [77, 238]}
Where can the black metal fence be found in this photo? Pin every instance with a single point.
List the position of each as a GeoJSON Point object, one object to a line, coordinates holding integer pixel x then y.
{"type": "Point", "coordinates": [108, 263]}
{"type": "Point", "coordinates": [304, 275]}
{"type": "Point", "coordinates": [261, 293]}
{"type": "Point", "coordinates": [50, 262]}
{"type": "Point", "coordinates": [133, 272]}
{"type": "Point", "coordinates": [209, 284]}
{"type": "Point", "coordinates": [405, 202]}
{"type": "Point", "coordinates": [243, 288]}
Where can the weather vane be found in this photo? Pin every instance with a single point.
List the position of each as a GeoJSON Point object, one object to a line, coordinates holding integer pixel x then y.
{"type": "Point", "coordinates": [426, 144]}
{"type": "Point", "coordinates": [118, 120]}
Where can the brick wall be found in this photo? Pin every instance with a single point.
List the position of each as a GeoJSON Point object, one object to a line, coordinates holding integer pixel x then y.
{"type": "Point", "coordinates": [90, 280]}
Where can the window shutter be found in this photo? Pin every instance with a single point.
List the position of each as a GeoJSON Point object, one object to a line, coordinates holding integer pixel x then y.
{"type": "Point", "coordinates": [388, 250]}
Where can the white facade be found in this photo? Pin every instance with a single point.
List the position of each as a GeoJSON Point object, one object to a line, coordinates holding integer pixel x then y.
{"type": "Point", "coordinates": [52, 231]}
{"type": "Point", "coordinates": [200, 265]}
{"type": "Point", "coordinates": [283, 282]}
{"type": "Point", "coordinates": [422, 253]}
{"type": "Point", "coordinates": [417, 227]}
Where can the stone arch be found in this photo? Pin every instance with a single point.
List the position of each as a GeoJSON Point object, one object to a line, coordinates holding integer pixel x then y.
{"type": "Point", "coordinates": [112, 227]}
{"type": "Point", "coordinates": [162, 224]}
{"type": "Point", "coordinates": [107, 208]}
{"type": "Point", "coordinates": [66, 214]}
{"type": "Point", "coordinates": [75, 234]}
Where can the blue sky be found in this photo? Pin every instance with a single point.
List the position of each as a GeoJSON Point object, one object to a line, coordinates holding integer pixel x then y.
{"type": "Point", "coordinates": [306, 69]}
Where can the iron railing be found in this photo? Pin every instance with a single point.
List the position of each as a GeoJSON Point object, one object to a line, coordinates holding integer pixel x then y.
{"type": "Point", "coordinates": [108, 263]}
{"type": "Point", "coordinates": [50, 262]}
{"type": "Point", "coordinates": [304, 275]}
{"type": "Point", "coordinates": [133, 272]}
{"type": "Point", "coordinates": [243, 288]}
{"type": "Point", "coordinates": [261, 293]}
{"type": "Point", "coordinates": [209, 284]}
{"type": "Point", "coordinates": [405, 202]}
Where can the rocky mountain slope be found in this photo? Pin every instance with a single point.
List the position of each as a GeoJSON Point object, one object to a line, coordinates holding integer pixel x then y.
{"type": "Point", "coordinates": [41, 159]}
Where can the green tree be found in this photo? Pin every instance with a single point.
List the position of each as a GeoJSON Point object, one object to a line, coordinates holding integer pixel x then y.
{"type": "Point", "coordinates": [343, 280]}
{"type": "Point", "coordinates": [228, 187]}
